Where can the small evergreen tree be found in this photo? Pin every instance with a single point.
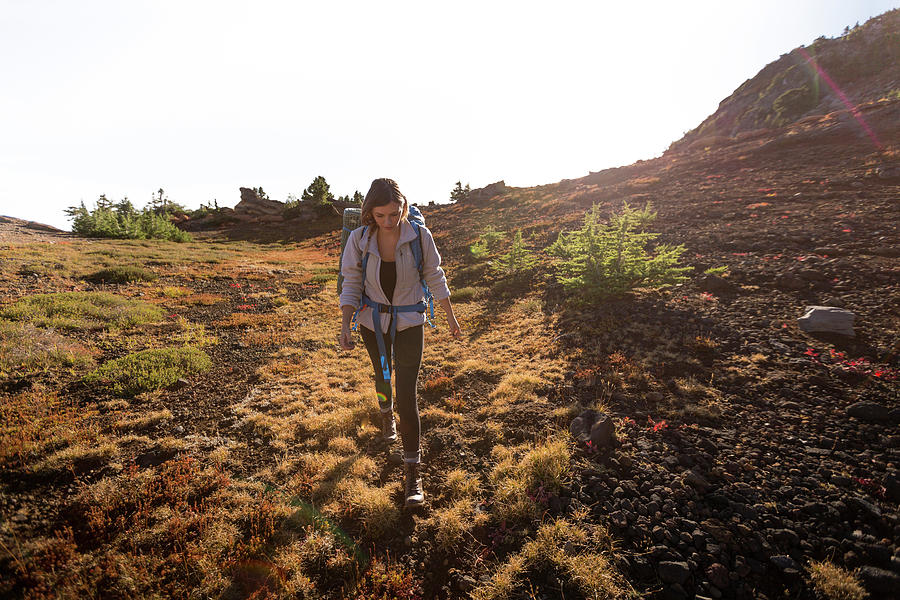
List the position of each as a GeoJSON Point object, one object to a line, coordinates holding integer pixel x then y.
{"type": "Point", "coordinates": [517, 261]}
{"type": "Point", "coordinates": [602, 259]}
{"type": "Point", "coordinates": [487, 243]}
{"type": "Point", "coordinates": [318, 192]}
{"type": "Point", "coordinates": [460, 192]}
{"type": "Point", "coordinates": [121, 220]}
{"type": "Point", "coordinates": [358, 198]}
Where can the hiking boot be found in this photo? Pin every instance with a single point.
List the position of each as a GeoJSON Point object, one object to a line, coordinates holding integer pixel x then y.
{"type": "Point", "coordinates": [388, 427]}
{"type": "Point", "coordinates": [413, 486]}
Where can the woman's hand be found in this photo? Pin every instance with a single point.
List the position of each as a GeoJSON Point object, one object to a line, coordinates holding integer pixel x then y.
{"type": "Point", "coordinates": [453, 324]}
{"type": "Point", "coordinates": [346, 339]}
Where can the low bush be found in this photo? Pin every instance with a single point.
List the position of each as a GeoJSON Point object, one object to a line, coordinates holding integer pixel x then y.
{"type": "Point", "coordinates": [121, 274]}
{"type": "Point", "coordinates": [148, 370]}
{"type": "Point", "coordinates": [81, 310]}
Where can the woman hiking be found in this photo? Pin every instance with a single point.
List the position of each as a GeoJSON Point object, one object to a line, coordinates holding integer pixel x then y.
{"type": "Point", "coordinates": [391, 288]}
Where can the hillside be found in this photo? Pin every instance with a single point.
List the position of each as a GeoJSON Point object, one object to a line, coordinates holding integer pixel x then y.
{"type": "Point", "coordinates": [860, 67]}
{"type": "Point", "coordinates": [193, 430]}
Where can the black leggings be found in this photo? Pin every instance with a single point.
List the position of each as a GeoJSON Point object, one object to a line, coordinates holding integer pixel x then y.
{"type": "Point", "coordinates": [408, 354]}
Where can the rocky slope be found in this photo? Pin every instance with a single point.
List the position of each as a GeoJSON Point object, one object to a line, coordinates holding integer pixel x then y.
{"type": "Point", "coordinates": [861, 66]}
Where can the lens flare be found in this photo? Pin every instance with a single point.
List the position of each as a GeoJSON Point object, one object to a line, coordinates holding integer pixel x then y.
{"type": "Point", "coordinates": [843, 97]}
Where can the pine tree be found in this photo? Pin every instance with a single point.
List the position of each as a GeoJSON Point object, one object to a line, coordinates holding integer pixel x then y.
{"type": "Point", "coordinates": [602, 259]}
{"type": "Point", "coordinates": [518, 260]}
{"type": "Point", "coordinates": [318, 192]}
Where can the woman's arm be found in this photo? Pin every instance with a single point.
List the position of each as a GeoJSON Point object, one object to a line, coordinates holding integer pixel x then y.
{"type": "Point", "coordinates": [452, 323]}
{"type": "Point", "coordinates": [346, 337]}
{"type": "Point", "coordinates": [351, 289]}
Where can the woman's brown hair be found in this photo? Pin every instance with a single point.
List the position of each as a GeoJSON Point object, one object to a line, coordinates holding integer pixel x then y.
{"type": "Point", "coordinates": [382, 192]}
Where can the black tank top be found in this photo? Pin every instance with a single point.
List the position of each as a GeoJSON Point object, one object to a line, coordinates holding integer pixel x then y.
{"type": "Point", "coordinates": [388, 276]}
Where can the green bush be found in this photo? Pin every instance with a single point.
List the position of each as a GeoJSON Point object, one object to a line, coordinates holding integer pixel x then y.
{"type": "Point", "coordinates": [148, 370]}
{"type": "Point", "coordinates": [487, 243]}
{"type": "Point", "coordinates": [81, 310]}
{"type": "Point", "coordinates": [121, 274]}
{"type": "Point", "coordinates": [518, 261]}
{"type": "Point", "coordinates": [610, 258]}
{"type": "Point", "coordinates": [121, 220]}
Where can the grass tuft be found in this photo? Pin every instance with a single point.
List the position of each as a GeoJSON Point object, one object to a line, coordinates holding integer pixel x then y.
{"type": "Point", "coordinates": [835, 583]}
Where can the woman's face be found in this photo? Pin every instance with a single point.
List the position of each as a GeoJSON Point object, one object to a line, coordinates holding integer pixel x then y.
{"type": "Point", "coordinates": [387, 216]}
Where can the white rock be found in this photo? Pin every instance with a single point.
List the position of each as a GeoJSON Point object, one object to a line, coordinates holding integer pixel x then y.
{"type": "Point", "coordinates": [828, 319]}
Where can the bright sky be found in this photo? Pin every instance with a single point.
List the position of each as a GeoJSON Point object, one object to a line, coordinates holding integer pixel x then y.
{"type": "Point", "coordinates": [200, 98]}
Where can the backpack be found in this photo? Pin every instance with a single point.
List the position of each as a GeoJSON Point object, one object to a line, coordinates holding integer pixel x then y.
{"type": "Point", "coordinates": [351, 220]}
{"type": "Point", "coordinates": [417, 221]}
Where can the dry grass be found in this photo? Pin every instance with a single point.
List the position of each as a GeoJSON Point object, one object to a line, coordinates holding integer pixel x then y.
{"type": "Point", "coordinates": [579, 556]}
{"type": "Point", "coordinates": [144, 421]}
{"type": "Point", "coordinates": [28, 350]}
{"type": "Point", "coordinates": [834, 582]}
{"type": "Point", "coordinates": [35, 422]}
{"type": "Point", "coordinates": [523, 477]}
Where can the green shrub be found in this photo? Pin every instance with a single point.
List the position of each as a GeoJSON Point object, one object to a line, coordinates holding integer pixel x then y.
{"type": "Point", "coordinates": [81, 310]}
{"type": "Point", "coordinates": [487, 243]}
{"type": "Point", "coordinates": [148, 370]}
{"type": "Point", "coordinates": [603, 259]}
{"type": "Point", "coordinates": [517, 261]}
{"type": "Point", "coordinates": [26, 350]}
{"type": "Point", "coordinates": [121, 220]}
{"type": "Point", "coordinates": [793, 103]}
{"type": "Point", "coordinates": [720, 270]}
{"type": "Point", "coordinates": [121, 274]}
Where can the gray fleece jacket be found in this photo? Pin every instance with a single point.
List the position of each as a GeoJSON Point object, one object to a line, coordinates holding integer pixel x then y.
{"type": "Point", "coordinates": [408, 290]}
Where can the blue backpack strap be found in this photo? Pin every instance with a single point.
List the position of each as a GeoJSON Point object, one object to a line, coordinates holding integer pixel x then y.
{"type": "Point", "coordinates": [354, 324]}
{"type": "Point", "coordinates": [417, 255]}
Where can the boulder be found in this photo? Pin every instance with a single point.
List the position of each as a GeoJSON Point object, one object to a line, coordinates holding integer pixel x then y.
{"type": "Point", "coordinates": [714, 284]}
{"type": "Point", "coordinates": [603, 433]}
{"type": "Point", "coordinates": [879, 582]}
{"type": "Point", "coordinates": [674, 571]}
{"type": "Point", "coordinates": [252, 204]}
{"type": "Point", "coordinates": [827, 319]}
{"type": "Point", "coordinates": [869, 411]}
{"type": "Point", "coordinates": [594, 426]}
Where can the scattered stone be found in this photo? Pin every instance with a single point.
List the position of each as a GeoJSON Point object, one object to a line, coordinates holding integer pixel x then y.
{"type": "Point", "coordinates": [827, 319]}
{"type": "Point", "coordinates": [696, 481]}
{"type": "Point", "coordinates": [603, 433]}
{"type": "Point", "coordinates": [715, 284]}
{"type": "Point", "coordinates": [786, 564]}
{"type": "Point", "coordinates": [179, 384]}
{"type": "Point", "coordinates": [869, 411]}
{"type": "Point", "coordinates": [717, 574]}
{"type": "Point", "coordinates": [880, 583]}
{"type": "Point", "coordinates": [673, 572]}
{"type": "Point", "coordinates": [892, 486]}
